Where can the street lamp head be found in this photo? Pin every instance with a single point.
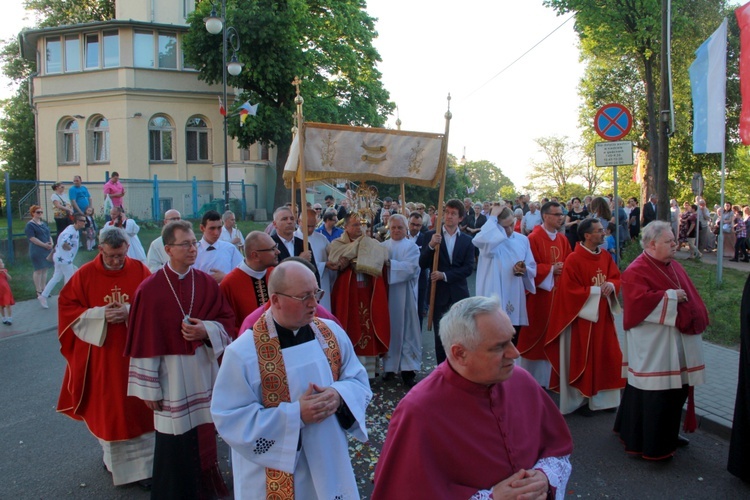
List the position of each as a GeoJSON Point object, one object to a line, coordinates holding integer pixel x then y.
{"type": "Point", "coordinates": [234, 67]}
{"type": "Point", "coordinates": [214, 23]}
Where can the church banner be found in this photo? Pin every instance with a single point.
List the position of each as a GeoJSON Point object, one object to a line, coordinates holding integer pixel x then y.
{"type": "Point", "coordinates": [360, 153]}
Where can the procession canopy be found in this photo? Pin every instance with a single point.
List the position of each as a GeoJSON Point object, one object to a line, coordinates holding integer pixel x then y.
{"type": "Point", "coordinates": [361, 153]}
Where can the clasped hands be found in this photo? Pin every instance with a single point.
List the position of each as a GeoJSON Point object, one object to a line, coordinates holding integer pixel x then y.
{"type": "Point", "coordinates": [318, 403]}
{"type": "Point", "coordinates": [523, 485]}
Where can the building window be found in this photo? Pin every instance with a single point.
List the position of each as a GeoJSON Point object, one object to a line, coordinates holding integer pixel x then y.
{"type": "Point", "coordinates": [72, 53]}
{"type": "Point", "coordinates": [160, 134]}
{"type": "Point", "coordinates": [92, 50]}
{"type": "Point", "coordinates": [197, 140]}
{"type": "Point", "coordinates": [143, 49]}
{"type": "Point", "coordinates": [54, 55]}
{"type": "Point", "coordinates": [111, 49]}
{"type": "Point", "coordinates": [98, 140]}
{"type": "Point", "coordinates": [168, 50]}
{"type": "Point", "coordinates": [68, 142]}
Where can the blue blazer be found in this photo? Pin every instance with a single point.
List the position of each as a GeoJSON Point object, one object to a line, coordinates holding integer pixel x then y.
{"type": "Point", "coordinates": [456, 288]}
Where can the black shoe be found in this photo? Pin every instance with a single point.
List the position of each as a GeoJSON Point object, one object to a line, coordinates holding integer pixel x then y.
{"type": "Point", "coordinates": [145, 484]}
{"type": "Point", "coordinates": [409, 378]}
{"type": "Point", "coordinates": [388, 376]}
{"type": "Point", "coordinates": [585, 411]}
{"type": "Point", "coordinates": [682, 441]}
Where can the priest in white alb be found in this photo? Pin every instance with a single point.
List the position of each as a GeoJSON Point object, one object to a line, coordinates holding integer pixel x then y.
{"type": "Point", "coordinates": [286, 396]}
{"type": "Point", "coordinates": [506, 266]}
{"type": "Point", "coordinates": [405, 350]}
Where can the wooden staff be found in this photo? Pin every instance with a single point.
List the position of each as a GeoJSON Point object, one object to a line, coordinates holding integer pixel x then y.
{"type": "Point", "coordinates": [299, 101]}
{"type": "Point", "coordinates": [403, 201]}
{"type": "Point", "coordinates": [443, 163]}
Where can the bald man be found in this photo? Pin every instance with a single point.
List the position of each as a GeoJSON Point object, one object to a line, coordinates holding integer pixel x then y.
{"type": "Point", "coordinates": [157, 256]}
{"type": "Point", "coordinates": [291, 436]}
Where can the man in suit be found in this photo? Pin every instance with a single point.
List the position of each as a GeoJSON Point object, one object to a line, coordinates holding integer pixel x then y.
{"type": "Point", "coordinates": [455, 265]}
{"type": "Point", "coordinates": [649, 210]}
{"type": "Point", "coordinates": [290, 245]}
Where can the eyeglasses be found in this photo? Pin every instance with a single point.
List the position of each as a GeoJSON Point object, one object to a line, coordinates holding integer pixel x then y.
{"type": "Point", "coordinates": [317, 295]}
{"type": "Point", "coordinates": [38, 212]}
{"type": "Point", "coordinates": [555, 214]}
{"type": "Point", "coordinates": [186, 245]}
{"type": "Point", "coordinates": [271, 249]}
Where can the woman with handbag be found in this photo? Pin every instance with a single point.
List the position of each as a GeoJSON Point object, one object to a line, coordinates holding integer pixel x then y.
{"type": "Point", "coordinates": [40, 247]}
{"type": "Point", "coordinates": [63, 211]}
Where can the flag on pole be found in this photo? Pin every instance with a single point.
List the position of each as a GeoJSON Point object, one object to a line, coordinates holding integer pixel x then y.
{"type": "Point", "coordinates": [247, 109]}
{"type": "Point", "coordinates": [222, 110]}
{"type": "Point", "coordinates": [708, 81]}
{"type": "Point", "coordinates": [743, 20]}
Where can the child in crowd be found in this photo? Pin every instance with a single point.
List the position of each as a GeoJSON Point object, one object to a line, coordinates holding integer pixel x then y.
{"type": "Point", "coordinates": [6, 296]}
{"type": "Point", "coordinates": [90, 229]}
{"type": "Point", "coordinates": [610, 242]}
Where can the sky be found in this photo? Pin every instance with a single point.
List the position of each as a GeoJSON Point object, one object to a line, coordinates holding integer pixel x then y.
{"type": "Point", "coordinates": [430, 48]}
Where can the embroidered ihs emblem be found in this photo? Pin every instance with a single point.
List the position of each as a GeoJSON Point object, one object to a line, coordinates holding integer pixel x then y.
{"type": "Point", "coordinates": [116, 296]}
{"type": "Point", "coordinates": [599, 279]}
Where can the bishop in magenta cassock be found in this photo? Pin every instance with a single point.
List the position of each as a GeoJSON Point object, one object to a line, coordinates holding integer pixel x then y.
{"type": "Point", "coordinates": [476, 427]}
{"type": "Point", "coordinates": [179, 325]}
{"type": "Point", "coordinates": [92, 313]}
{"type": "Point", "coordinates": [581, 342]}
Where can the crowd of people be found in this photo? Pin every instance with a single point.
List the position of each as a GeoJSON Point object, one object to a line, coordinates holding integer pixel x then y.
{"type": "Point", "coordinates": [276, 340]}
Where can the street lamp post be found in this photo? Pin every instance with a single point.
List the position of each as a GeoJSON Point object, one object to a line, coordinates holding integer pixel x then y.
{"type": "Point", "coordinates": [214, 25]}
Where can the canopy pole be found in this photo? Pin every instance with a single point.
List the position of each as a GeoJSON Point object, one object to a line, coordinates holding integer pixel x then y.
{"type": "Point", "coordinates": [299, 101]}
{"type": "Point", "coordinates": [443, 163]}
{"type": "Point", "coordinates": [402, 206]}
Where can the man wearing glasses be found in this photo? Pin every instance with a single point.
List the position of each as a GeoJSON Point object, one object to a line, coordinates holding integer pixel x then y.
{"type": "Point", "coordinates": [157, 256]}
{"type": "Point", "coordinates": [93, 310]}
{"type": "Point", "coordinates": [550, 248]}
{"type": "Point", "coordinates": [246, 286]}
{"type": "Point", "coordinates": [291, 436]}
{"type": "Point", "coordinates": [178, 327]}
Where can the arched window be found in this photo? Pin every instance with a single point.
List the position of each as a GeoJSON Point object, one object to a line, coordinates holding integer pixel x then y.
{"type": "Point", "coordinates": [197, 140]}
{"type": "Point", "coordinates": [160, 137]}
{"type": "Point", "coordinates": [67, 142]}
{"type": "Point", "coordinates": [98, 140]}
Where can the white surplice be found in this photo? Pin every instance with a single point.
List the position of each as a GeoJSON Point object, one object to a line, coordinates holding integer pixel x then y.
{"type": "Point", "coordinates": [498, 253]}
{"type": "Point", "coordinates": [405, 349]}
{"type": "Point", "coordinates": [267, 437]}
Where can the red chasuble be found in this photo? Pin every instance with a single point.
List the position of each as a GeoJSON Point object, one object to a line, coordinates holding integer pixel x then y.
{"type": "Point", "coordinates": [156, 318]}
{"type": "Point", "coordinates": [362, 310]}
{"type": "Point", "coordinates": [595, 362]}
{"type": "Point", "coordinates": [450, 437]}
{"type": "Point", "coordinates": [539, 305]}
{"type": "Point", "coordinates": [244, 294]}
{"type": "Point", "coordinates": [96, 378]}
{"type": "Point", "coordinates": [646, 280]}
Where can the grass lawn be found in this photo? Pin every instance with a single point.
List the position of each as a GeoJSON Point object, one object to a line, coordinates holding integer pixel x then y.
{"type": "Point", "coordinates": [21, 272]}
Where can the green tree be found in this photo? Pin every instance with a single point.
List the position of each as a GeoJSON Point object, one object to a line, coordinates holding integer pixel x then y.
{"type": "Point", "coordinates": [60, 12]}
{"type": "Point", "coordinates": [328, 44]}
{"type": "Point", "coordinates": [560, 169]}
{"type": "Point", "coordinates": [487, 181]}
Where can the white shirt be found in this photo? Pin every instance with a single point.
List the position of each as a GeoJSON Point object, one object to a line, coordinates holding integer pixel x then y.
{"type": "Point", "coordinates": [223, 257]}
{"type": "Point", "coordinates": [229, 236]}
{"type": "Point", "coordinates": [530, 221]}
{"type": "Point", "coordinates": [450, 242]}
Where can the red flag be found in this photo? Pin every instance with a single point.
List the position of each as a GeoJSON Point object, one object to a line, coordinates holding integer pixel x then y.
{"type": "Point", "coordinates": [743, 20]}
{"type": "Point", "coordinates": [221, 107]}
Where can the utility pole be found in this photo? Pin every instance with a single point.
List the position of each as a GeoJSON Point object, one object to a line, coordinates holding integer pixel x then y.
{"type": "Point", "coordinates": [662, 170]}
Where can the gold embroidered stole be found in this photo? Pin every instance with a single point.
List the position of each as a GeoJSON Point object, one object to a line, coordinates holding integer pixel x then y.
{"type": "Point", "coordinates": [275, 385]}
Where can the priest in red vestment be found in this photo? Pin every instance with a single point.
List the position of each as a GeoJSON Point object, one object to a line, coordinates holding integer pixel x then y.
{"type": "Point", "coordinates": [92, 313]}
{"type": "Point", "coordinates": [476, 427]}
{"type": "Point", "coordinates": [178, 328]}
{"type": "Point", "coordinates": [246, 286]}
{"type": "Point", "coordinates": [663, 319]}
{"type": "Point", "coordinates": [360, 296]}
{"type": "Point", "coordinates": [550, 248]}
{"type": "Point", "coordinates": [581, 342]}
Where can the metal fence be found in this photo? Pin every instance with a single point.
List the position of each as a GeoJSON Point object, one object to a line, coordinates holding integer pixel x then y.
{"type": "Point", "coordinates": [145, 200]}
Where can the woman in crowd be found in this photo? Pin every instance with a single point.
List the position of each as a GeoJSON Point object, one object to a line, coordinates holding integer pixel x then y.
{"type": "Point", "coordinates": [727, 229]}
{"type": "Point", "coordinates": [674, 217]}
{"type": "Point", "coordinates": [40, 247]}
{"type": "Point", "coordinates": [688, 224]}
{"type": "Point", "coordinates": [63, 210]}
{"type": "Point", "coordinates": [634, 223]}
{"type": "Point", "coordinates": [576, 215]}
{"type": "Point", "coordinates": [740, 233]}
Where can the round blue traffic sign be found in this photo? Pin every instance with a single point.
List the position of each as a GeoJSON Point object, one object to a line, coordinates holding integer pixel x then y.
{"type": "Point", "coordinates": [613, 122]}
